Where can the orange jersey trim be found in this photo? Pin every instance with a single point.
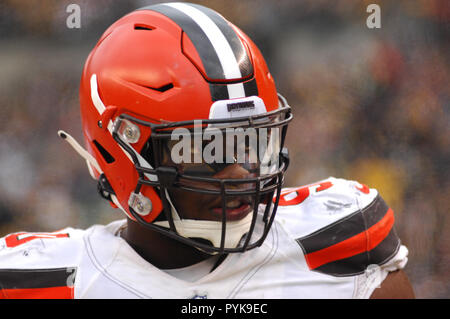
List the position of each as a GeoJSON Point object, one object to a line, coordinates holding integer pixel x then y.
{"type": "Point", "coordinates": [38, 293]}
{"type": "Point", "coordinates": [364, 241]}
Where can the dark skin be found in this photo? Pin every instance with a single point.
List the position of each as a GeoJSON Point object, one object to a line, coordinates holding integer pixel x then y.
{"type": "Point", "coordinates": [198, 206]}
{"type": "Point", "coordinates": [395, 286]}
{"type": "Point", "coordinates": [157, 253]}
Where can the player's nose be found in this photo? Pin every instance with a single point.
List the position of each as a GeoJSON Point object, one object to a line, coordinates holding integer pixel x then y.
{"type": "Point", "coordinates": [235, 171]}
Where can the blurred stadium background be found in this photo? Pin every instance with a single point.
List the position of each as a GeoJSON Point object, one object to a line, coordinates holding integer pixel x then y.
{"type": "Point", "coordinates": [370, 105]}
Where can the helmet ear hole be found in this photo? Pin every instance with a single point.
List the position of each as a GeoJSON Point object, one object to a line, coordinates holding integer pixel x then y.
{"type": "Point", "coordinates": [105, 154]}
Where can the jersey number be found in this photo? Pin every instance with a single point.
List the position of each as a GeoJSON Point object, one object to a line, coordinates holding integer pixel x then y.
{"type": "Point", "coordinates": [297, 196]}
{"type": "Point", "coordinates": [16, 239]}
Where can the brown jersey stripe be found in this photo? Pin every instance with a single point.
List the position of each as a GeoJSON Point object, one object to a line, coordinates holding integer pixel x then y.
{"type": "Point", "coordinates": [364, 241]}
{"type": "Point", "coordinates": [36, 278]}
{"type": "Point", "coordinates": [358, 263]}
{"type": "Point", "coordinates": [345, 228]}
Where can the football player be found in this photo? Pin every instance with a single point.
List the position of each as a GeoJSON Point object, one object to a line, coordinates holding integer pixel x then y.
{"type": "Point", "coordinates": [184, 132]}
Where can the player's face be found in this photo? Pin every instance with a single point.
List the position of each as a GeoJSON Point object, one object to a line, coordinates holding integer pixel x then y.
{"type": "Point", "coordinates": [193, 205]}
{"type": "Point", "coordinates": [200, 206]}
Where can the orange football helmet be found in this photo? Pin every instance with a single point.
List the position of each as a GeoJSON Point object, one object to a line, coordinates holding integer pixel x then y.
{"type": "Point", "coordinates": [169, 66]}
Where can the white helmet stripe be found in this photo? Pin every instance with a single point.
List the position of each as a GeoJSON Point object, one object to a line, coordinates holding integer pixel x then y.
{"type": "Point", "coordinates": [95, 97]}
{"type": "Point", "coordinates": [223, 55]}
{"type": "Point", "coordinates": [219, 42]}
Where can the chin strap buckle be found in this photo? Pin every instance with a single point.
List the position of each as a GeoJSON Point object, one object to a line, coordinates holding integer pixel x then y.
{"type": "Point", "coordinates": [104, 188]}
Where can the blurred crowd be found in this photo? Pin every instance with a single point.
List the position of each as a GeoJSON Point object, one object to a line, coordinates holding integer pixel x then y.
{"type": "Point", "coordinates": [370, 105]}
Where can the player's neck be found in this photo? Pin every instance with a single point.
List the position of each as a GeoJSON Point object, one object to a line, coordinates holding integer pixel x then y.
{"type": "Point", "coordinates": [159, 250]}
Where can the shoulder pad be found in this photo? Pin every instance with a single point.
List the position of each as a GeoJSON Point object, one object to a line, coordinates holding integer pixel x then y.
{"type": "Point", "coordinates": [342, 227]}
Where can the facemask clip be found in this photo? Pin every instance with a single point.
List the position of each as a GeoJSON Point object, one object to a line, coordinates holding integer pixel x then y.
{"type": "Point", "coordinates": [140, 204]}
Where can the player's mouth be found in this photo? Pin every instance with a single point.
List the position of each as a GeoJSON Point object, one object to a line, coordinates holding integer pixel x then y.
{"type": "Point", "coordinates": [235, 209]}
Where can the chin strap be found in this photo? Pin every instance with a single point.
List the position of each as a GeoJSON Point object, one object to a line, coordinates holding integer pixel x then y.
{"type": "Point", "coordinates": [90, 160]}
{"type": "Point", "coordinates": [92, 163]}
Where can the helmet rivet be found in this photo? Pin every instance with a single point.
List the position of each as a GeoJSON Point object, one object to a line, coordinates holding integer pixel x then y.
{"type": "Point", "coordinates": [129, 131]}
{"type": "Point", "coordinates": [141, 204]}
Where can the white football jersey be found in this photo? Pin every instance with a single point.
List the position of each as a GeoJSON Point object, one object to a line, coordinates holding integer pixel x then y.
{"type": "Point", "coordinates": [332, 239]}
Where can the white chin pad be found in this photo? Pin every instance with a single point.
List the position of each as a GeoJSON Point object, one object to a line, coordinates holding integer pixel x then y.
{"type": "Point", "coordinates": [209, 230]}
{"type": "Point", "coordinates": [212, 230]}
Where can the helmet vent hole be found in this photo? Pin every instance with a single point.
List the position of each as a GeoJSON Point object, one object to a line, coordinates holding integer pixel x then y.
{"type": "Point", "coordinates": [164, 88]}
{"type": "Point", "coordinates": [106, 155]}
{"type": "Point", "coordinates": [143, 27]}
{"type": "Point", "coordinates": [161, 89]}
